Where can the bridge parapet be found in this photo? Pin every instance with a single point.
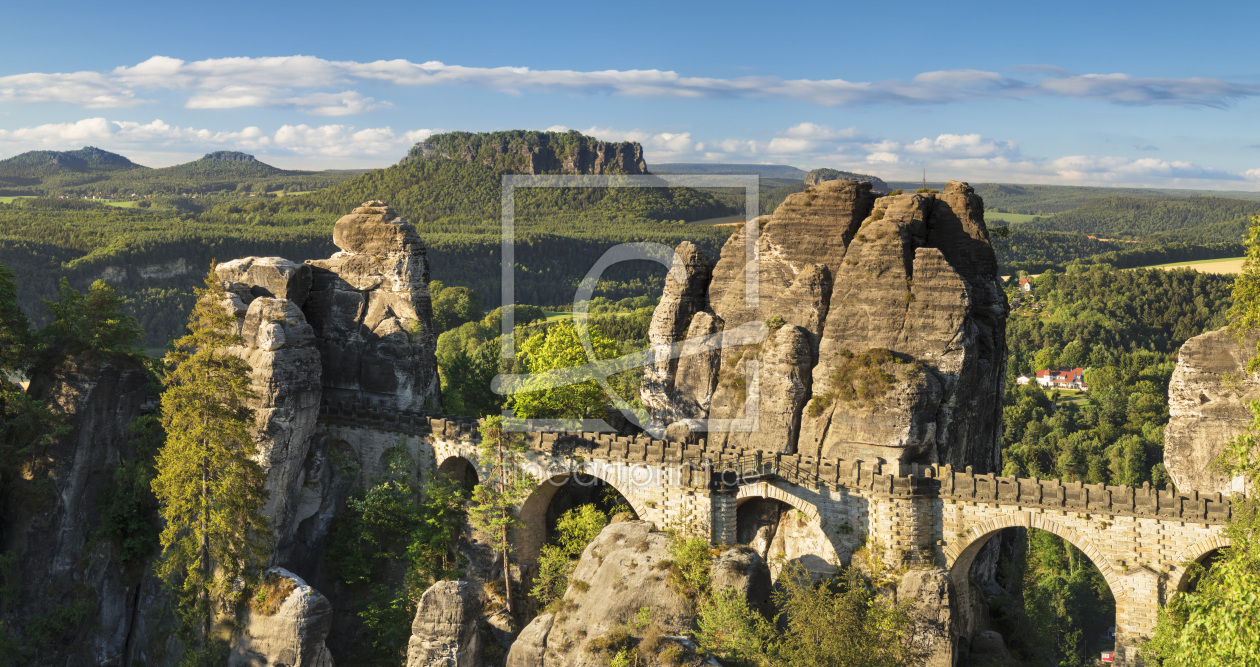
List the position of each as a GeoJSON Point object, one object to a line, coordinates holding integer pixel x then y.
{"type": "Point", "coordinates": [879, 478]}
{"type": "Point", "coordinates": [1146, 501]}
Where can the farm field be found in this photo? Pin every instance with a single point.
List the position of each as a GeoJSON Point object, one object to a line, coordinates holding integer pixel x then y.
{"type": "Point", "coordinates": [1014, 218]}
{"type": "Point", "coordinates": [1222, 266]}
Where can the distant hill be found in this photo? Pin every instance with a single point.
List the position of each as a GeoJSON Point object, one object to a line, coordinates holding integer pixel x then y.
{"type": "Point", "coordinates": [1197, 219]}
{"type": "Point", "coordinates": [220, 165]}
{"type": "Point", "coordinates": [41, 164]}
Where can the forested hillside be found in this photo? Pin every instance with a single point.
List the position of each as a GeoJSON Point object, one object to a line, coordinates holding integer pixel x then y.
{"type": "Point", "coordinates": [94, 172]}
{"type": "Point", "coordinates": [1199, 219]}
{"type": "Point", "coordinates": [155, 255]}
{"type": "Point", "coordinates": [1124, 328]}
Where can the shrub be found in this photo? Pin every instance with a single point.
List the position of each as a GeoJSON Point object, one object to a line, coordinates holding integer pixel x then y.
{"type": "Point", "coordinates": [272, 592]}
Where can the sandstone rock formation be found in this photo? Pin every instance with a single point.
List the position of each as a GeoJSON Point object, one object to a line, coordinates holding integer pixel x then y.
{"type": "Point", "coordinates": [54, 510]}
{"type": "Point", "coordinates": [285, 375]}
{"type": "Point", "coordinates": [932, 598]}
{"type": "Point", "coordinates": [1207, 405]}
{"type": "Point", "coordinates": [444, 632]}
{"type": "Point", "coordinates": [620, 574]}
{"type": "Point", "coordinates": [369, 305]}
{"type": "Point", "coordinates": [291, 635]}
{"type": "Point", "coordinates": [840, 273]}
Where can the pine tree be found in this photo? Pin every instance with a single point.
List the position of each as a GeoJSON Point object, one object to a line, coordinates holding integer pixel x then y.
{"type": "Point", "coordinates": [494, 502]}
{"type": "Point", "coordinates": [215, 537]}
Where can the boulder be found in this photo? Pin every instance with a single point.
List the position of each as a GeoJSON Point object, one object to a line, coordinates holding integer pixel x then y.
{"type": "Point", "coordinates": [444, 632]}
{"type": "Point", "coordinates": [1207, 405]}
{"type": "Point", "coordinates": [276, 277]}
{"type": "Point", "coordinates": [285, 633]}
{"type": "Point", "coordinates": [370, 308]}
{"type": "Point", "coordinates": [989, 650]}
{"type": "Point", "coordinates": [622, 572]}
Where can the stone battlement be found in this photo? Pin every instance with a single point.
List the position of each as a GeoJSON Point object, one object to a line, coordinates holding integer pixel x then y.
{"type": "Point", "coordinates": [878, 478]}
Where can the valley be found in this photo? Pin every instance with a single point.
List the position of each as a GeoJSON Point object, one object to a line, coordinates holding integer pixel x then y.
{"type": "Point", "coordinates": [893, 455]}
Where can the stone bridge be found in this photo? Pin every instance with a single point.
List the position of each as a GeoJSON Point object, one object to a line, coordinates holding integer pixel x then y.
{"type": "Point", "coordinates": [1140, 539]}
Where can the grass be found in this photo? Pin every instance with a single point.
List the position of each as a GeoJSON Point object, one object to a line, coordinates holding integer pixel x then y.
{"type": "Point", "coordinates": [1223, 265]}
{"type": "Point", "coordinates": [1013, 218]}
{"type": "Point", "coordinates": [9, 200]}
{"type": "Point", "coordinates": [126, 203]}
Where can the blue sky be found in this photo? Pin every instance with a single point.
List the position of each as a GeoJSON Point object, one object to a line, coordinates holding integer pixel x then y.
{"type": "Point", "coordinates": [1107, 93]}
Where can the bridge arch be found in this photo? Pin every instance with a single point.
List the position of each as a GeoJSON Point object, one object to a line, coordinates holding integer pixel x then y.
{"type": "Point", "coordinates": [959, 558]}
{"type": "Point", "coordinates": [461, 469]}
{"type": "Point", "coordinates": [1196, 553]}
{"type": "Point", "coordinates": [533, 513]}
{"type": "Point", "coordinates": [814, 547]}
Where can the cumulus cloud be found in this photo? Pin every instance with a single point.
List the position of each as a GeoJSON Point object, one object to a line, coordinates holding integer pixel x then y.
{"type": "Point", "coordinates": [961, 145]}
{"type": "Point", "coordinates": [224, 83]}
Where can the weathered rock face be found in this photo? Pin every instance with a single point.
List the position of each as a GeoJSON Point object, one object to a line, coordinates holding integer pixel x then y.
{"type": "Point", "coordinates": [285, 375]}
{"type": "Point", "coordinates": [274, 277]}
{"type": "Point", "coordinates": [585, 157]}
{"type": "Point", "coordinates": [684, 299]}
{"type": "Point", "coordinates": [54, 510]}
{"type": "Point", "coordinates": [444, 632]}
{"type": "Point", "coordinates": [621, 573]}
{"type": "Point", "coordinates": [840, 273]}
{"type": "Point", "coordinates": [292, 636]}
{"type": "Point", "coordinates": [931, 594]}
{"type": "Point", "coordinates": [369, 305]}
{"type": "Point", "coordinates": [1207, 405]}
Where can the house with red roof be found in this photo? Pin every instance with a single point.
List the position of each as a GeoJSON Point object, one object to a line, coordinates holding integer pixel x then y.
{"type": "Point", "coordinates": [1063, 378]}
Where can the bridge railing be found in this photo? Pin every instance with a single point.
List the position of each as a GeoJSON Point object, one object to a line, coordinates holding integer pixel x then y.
{"type": "Point", "coordinates": [880, 477]}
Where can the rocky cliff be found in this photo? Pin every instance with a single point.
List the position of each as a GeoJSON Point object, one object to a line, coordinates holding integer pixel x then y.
{"type": "Point", "coordinates": [266, 295]}
{"type": "Point", "coordinates": [1207, 405]}
{"type": "Point", "coordinates": [53, 513]}
{"type": "Point", "coordinates": [823, 174]}
{"type": "Point", "coordinates": [887, 306]}
{"type": "Point", "coordinates": [535, 153]}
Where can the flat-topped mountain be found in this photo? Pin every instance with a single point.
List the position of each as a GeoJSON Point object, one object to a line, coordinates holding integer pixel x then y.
{"type": "Point", "coordinates": [823, 174]}
{"type": "Point", "coordinates": [532, 152]}
{"type": "Point", "coordinates": [230, 156]}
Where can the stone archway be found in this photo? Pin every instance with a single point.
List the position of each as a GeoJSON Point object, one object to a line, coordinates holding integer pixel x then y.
{"type": "Point", "coordinates": [533, 513]}
{"type": "Point", "coordinates": [959, 559]}
{"type": "Point", "coordinates": [798, 535]}
{"type": "Point", "coordinates": [1198, 552]}
{"type": "Point", "coordinates": [461, 470]}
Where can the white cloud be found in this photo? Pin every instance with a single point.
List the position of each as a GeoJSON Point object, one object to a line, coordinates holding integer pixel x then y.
{"type": "Point", "coordinates": [816, 132]}
{"type": "Point", "coordinates": [225, 83]}
{"type": "Point", "coordinates": [961, 145]}
{"type": "Point", "coordinates": [882, 158]}
{"type": "Point", "coordinates": [91, 90]}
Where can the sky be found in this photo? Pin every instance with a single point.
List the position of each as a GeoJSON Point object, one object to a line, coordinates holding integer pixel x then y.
{"type": "Point", "coordinates": [1148, 94]}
